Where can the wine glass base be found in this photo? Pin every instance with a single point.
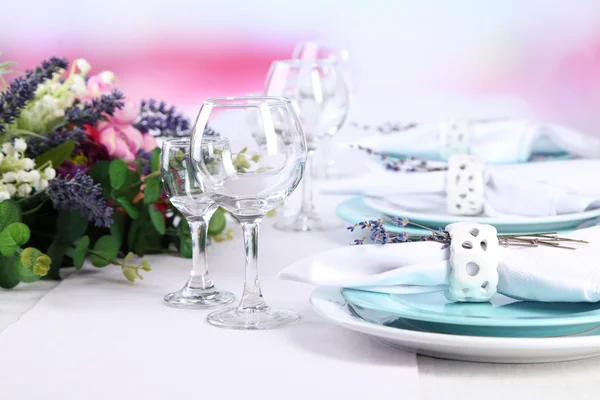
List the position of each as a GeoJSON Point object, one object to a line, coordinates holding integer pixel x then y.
{"type": "Point", "coordinates": [307, 223]}
{"type": "Point", "coordinates": [253, 319]}
{"type": "Point", "coordinates": [198, 298]}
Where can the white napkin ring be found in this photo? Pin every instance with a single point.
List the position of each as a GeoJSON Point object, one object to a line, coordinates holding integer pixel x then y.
{"type": "Point", "coordinates": [474, 259]}
{"type": "Point", "coordinates": [465, 185]}
{"type": "Point", "coordinates": [454, 137]}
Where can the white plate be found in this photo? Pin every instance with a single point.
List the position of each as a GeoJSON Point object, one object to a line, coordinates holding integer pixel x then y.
{"type": "Point", "coordinates": [437, 218]}
{"type": "Point", "coordinates": [330, 304]}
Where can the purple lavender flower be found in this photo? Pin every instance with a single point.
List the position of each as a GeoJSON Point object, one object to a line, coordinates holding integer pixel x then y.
{"type": "Point", "coordinates": [79, 193]}
{"type": "Point", "coordinates": [156, 116]}
{"type": "Point", "coordinates": [94, 111]}
{"type": "Point", "coordinates": [22, 90]}
{"type": "Point", "coordinates": [39, 145]}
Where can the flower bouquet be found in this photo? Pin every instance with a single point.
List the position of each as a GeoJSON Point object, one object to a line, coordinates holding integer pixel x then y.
{"type": "Point", "coordinates": [80, 176]}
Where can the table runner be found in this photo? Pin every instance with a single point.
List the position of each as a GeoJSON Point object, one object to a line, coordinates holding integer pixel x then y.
{"type": "Point", "coordinates": [98, 337]}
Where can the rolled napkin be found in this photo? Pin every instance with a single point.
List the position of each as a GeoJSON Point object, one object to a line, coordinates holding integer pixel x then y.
{"type": "Point", "coordinates": [501, 141]}
{"type": "Point", "coordinates": [529, 273]}
{"type": "Point", "coordinates": [512, 190]}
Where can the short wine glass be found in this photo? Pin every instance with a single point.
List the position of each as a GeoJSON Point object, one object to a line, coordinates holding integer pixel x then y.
{"type": "Point", "coordinates": [320, 97]}
{"type": "Point", "coordinates": [186, 194]}
{"type": "Point", "coordinates": [259, 165]}
{"type": "Point", "coordinates": [319, 50]}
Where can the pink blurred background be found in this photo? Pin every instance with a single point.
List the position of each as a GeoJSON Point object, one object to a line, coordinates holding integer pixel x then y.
{"type": "Point", "coordinates": [545, 53]}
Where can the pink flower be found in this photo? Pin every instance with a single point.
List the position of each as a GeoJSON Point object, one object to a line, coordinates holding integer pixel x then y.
{"type": "Point", "coordinates": [149, 143]}
{"type": "Point", "coordinates": [121, 141]}
{"type": "Point", "coordinates": [128, 114]}
{"type": "Point", "coordinates": [98, 85]}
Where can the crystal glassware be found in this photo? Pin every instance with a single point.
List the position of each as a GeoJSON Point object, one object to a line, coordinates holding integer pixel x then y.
{"type": "Point", "coordinates": [320, 97]}
{"type": "Point", "coordinates": [186, 194]}
{"type": "Point", "coordinates": [255, 169]}
{"type": "Point", "coordinates": [319, 50]}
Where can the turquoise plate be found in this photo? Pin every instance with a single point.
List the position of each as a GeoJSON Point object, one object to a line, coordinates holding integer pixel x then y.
{"type": "Point", "coordinates": [503, 316]}
{"type": "Point", "coordinates": [355, 210]}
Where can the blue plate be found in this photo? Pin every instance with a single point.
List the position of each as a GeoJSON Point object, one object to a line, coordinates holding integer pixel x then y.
{"type": "Point", "coordinates": [503, 316]}
{"type": "Point", "coordinates": [355, 210]}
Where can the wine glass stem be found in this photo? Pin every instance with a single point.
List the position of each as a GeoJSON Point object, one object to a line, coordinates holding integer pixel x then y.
{"type": "Point", "coordinates": [307, 206]}
{"type": "Point", "coordinates": [252, 299]}
{"type": "Point", "coordinates": [199, 278]}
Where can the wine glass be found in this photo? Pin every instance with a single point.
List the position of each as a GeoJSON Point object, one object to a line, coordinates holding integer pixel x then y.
{"type": "Point", "coordinates": [319, 96]}
{"type": "Point", "coordinates": [256, 168]}
{"type": "Point", "coordinates": [318, 50]}
{"type": "Point", "coordinates": [187, 196]}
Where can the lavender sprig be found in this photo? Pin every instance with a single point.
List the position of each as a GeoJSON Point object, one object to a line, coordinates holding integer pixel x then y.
{"type": "Point", "coordinates": [79, 193]}
{"type": "Point", "coordinates": [379, 234]}
{"type": "Point", "coordinates": [411, 164]}
{"type": "Point", "coordinates": [158, 117]}
{"type": "Point", "coordinates": [94, 111]}
{"type": "Point", "coordinates": [22, 90]}
{"type": "Point", "coordinates": [39, 145]}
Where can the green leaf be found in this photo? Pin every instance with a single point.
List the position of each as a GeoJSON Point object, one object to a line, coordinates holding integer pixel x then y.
{"type": "Point", "coordinates": [185, 239]}
{"type": "Point", "coordinates": [155, 160]}
{"type": "Point", "coordinates": [131, 210]}
{"type": "Point", "coordinates": [118, 171]}
{"type": "Point", "coordinates": [57, 155]}
{"type": "Point", "coordinates": [56, 251]}
{"type": "Point", "coordinates": [99, 173]}
{"type": "Point", "coordinates": [70, 226]}
{"type": "Point", "coordinates": [217, 223]}
{"type": "Point", "coordinates": [24, 273]}
{"type": "Point", "coordinates": [135, 239]}
{"type": "Point", "coordinates": [158, 219]}
{"type": "Point", "coordinates": [12, 237]}
{"type": "Point", "coordinates": [9, 212]}
{"type": "Point", "coordinates": [152, 191]}
{"type": "Point", "coordinates": [117, 229]}
{"type": "Point", "coordinates": [80, 251]}
{"type": "Point", "coordinates": [107, 248]}
{"type": "Point", "coordinates": [8, 275]}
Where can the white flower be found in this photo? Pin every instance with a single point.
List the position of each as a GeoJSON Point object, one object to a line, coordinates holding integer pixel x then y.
{"type": "Point", "coordinates": [20, 145]}
{"type": "Point", "coordinates": [1, 157]}
{"type": "Point", "coordinates": [28, 164]}
{"type": "Point", "coordinates": [43, 184]}
{"type": "Point", "coordinates": [83, 66]}
{"type": "Point", "coordinates": [24, 190]}
{"type": "Point", "coordinates": [23, 176]}
{"type": "Point", "coordinates": [11, 189]}
{"type": "Point", "coordinates": [78, 86]}
{"type": "Point", "coordinates": [4, 196]}
{"type": "Point", "coordinates": [49, 173]}
{"type": "Point", "coordinates": [8, 149]}
{"type": "Point", "coordinates": [107, 76]}
{"type": "Point", "coordinates": [34, 175]}
{"type": "Point", "coordinates": [9, 177]}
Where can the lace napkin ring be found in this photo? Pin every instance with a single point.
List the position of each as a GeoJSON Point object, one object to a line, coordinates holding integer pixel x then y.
{"type": "Point", "coordinates": [474, 260]}
{"type": "Point", "coordinates": [454, 137]}
{"type": "Point", "coordinates": [465, 185]}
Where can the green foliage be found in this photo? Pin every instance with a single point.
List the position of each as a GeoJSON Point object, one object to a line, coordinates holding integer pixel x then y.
{"type": "Point", "coordinates": [32, 262]}
{"type": "Point", "coordinates": [13, 237]}
{"type": "Point", "coordinates": [118, 172]}
{"type": "Point", "coordinates": [217, 223]}
{"type": "Point", "coordinates": [129, 208]}
{"type": "Point", "coordinates": [8, 274]}
{"type": "Point", "coordinates": [9, 212]}
{"type": "Point", "coordinates": [105, 249]}
{"type": "Point", "coordinates": [152, 191]}
{"type": "Point", "coordinates": [117, 229]}
{"type": "Point", "coordinates": [158, 220]}
{"type": "Point", "coordinates": [56, 251]}
{"type": "Point", "coordinates": [80, 251]}
{"type": "Point", "coordinates": [185, 239]}
{"type": "Point", "coordinates": [57, 155]}
{"type": "Point", "coordinates": [25, 273]}
{"type": "Point", "coordinates": [155, 160]}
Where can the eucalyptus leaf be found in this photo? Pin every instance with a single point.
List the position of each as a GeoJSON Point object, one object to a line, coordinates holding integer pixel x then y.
{"type": "Point", "coordinates": [56, 252]}
{"type": "Point", "coordinates": [9, 212]}
{"type": "Point", "coordinates": [80, 251]}
{"type": "Point", "coordinates": [129, 208]}
{"type": "Point", "coordinates": [118, 171]}
{"type": "Point", "coordinates": [152, 191]}
{"type": "Point", "coordinates": [99, 173]}
{"type": "Point", "coordinates": [155, 160]}
{"type": "Point", "coordinates": [117, 229]}
{"type": "Point", "coordinates": [70, 226]}
{"type": "Point", "coordinates": [12, 237]}
{"type": "Point", "coordinates": [217, 223]}
{"type": "Point", "coordinates": [24, 273]}
{"type": "Point", "coordinates": [106, 248]}
{"type": "Point", "coordinates": [8, 275]}
{"type": "Point", "coordinates": [158, 219]}
{"type": "Point", "coordinates": [57, 155]}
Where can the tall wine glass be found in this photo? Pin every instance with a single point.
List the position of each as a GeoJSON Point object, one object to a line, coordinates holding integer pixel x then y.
{"type": "Point", "coordinates": [320, 98]}
{"type": "Point", "coordinates": [319, 50]}
{"type": "Point", "coordinates": [256, 168]}
{"type": "Point", "coordinates": [187, 196]}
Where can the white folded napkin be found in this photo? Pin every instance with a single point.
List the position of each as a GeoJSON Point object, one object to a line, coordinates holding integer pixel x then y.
{"type": "Point", "coordinates": [528, 273]}
{"type": "Point", "coordinates": [502, 141]}
{"type": "Point", "coordinates": [542, 188]}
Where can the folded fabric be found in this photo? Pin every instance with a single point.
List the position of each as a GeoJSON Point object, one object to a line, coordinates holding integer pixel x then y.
{"type": "Point", "coordinates": [542, 188]}
{"type": "Point", "coordinates": [529, 273]}
{"type": "Point", "coordinates": [502, 141]}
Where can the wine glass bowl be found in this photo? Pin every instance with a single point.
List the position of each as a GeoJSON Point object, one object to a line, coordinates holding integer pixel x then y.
{"type": "Point", "coordinates": [257, 164]}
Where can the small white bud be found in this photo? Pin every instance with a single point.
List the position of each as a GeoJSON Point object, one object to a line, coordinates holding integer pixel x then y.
{"type": "Point", "coordinates": [4, 196]}
{"type": "Point", "coordinates": [43, 184]}
{"type": "Point", "coordinates": [20, 144]}
{"type": "Point", "coordinates": [34, 175]}
{"type": "Point", "coordinates": [23, 176]}
{"type": "Point", "coordinates": [83, 66]}
{"type": "Point", "coordinates": [24, 190]}
{"type": "Point", "coordinates": [28, 164]}
{"type": "Point", "coordinates": [107, 76]}
{"type": "Point", "coordinates": [11, 189]}
{"type": "Point", "coordinates": [78, 86]}
{"type": "Point", "coordinates": [8, 149]}
{"type": "Point", "coordinates": [50, 173]}
{"type": "Point", "coordinates": [9, 177]}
